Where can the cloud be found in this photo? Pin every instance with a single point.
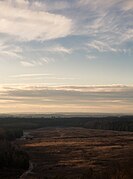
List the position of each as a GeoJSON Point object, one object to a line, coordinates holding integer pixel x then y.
{"type": "Point", "coordinates": [127, 36]}
{"type": "Point", "coordinates": [56, 48]}
{"type": "Point", "coordinates": [91, 57]}
{"type": "Point", "coordinates": [38, 62]}
{"type": "Point", "coordinates": [101, 46]}
{"type": "Point", "coordinates": [98, 3]}
{"type": "Point", "coordinates": [41, 76]}
{"type": "Point", "coordinates": [108, 25]}
{"type": "Point", "coordinates": [27, 64]}
{"type": "Point", "coordinates": [30, 75]}
{"type": "Point", "coordinates": [27, 24]}
{"type": "Point", "coordinates": [57, 5]}
{"type": "Point", "coordinates": [86, 98]}
{"type": "Point", "coordinates": [10, 51]}
{"type": "Point", "coordinates": [59, 49]}
{"type": "Point", "coordinates": [20, 3]}
{"type": "Point", "coordinates": [128, 5]}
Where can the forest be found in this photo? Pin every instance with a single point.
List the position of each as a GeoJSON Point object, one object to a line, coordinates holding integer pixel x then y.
{"type": "Point", "coordinates": [13, 160]}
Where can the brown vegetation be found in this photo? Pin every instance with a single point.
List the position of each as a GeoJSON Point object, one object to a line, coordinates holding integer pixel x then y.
{"type": "Point", "coordinates": [80, 153]}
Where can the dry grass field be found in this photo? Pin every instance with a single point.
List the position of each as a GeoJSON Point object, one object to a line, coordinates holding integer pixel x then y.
{"type": "Point", "coordinates": [79, 153]}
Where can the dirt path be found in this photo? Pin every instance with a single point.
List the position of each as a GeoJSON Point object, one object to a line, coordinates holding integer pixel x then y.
{"type": "Point", "coordinates": [29, 171]}
{"type": "Point", "coordinates": [31, 164]}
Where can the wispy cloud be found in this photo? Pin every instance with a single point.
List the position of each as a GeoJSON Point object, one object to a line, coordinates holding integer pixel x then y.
{"type": "Point", "coordinates": [56, 48]}
{"type": "Point", "coordinates": [59, 49]}
{"type": "Point", "coordinates": [57, 5]}
{"type": "Point", "coordinates": [127, 36]}
{"type": "Point", "coordinates": [10, 51]}
{"type": "Point", "coordinates": [41, 76]}
{"type": "Point", "coordinates": [38, 62]}
{"type": "Point", "coordinates": [107, 24]}
{"type": "Point", "coordinates": [91, 57]}
{"type": "Point", "coordinates": [27, 64]}
{"type": "Point", "coordinates": [101, 46]}
{"type": "Point", "coordinates": [30, 75]}
{"type": "Point", "coordinates": [94, 5]}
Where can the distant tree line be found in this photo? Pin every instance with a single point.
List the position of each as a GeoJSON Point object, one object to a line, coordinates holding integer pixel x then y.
{"type": "Point", "coordinates": [111, 123]}
{"type": "Point", "coordinates": [122, 123]}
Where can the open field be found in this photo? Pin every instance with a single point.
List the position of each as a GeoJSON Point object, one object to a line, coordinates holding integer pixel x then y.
{"type": "Point", "coordinates": [79, 153]}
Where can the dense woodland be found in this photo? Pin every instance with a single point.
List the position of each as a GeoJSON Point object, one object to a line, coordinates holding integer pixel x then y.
{"type": "Point", "coordinates": [11, 156]}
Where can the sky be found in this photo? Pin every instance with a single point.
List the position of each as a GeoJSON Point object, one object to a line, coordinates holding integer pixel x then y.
{"type": "Point", "coordinates": [66, 56]}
